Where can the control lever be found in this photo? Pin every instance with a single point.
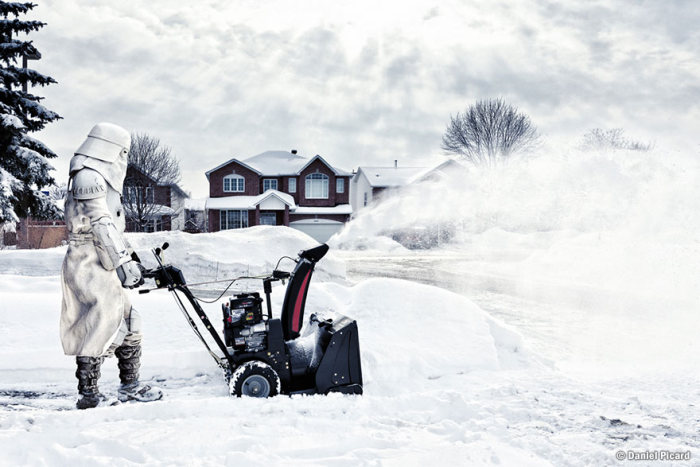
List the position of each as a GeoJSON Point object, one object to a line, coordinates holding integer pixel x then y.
{"type": "Point", "coordinates": [278, 274]}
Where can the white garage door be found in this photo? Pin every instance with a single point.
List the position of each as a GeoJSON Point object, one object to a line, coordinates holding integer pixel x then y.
{"type": "Point", "coordinates": [319, 229]}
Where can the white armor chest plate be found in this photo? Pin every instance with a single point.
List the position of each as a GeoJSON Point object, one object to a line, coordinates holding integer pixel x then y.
{"type": "Point", "coordinates": [78, 212]}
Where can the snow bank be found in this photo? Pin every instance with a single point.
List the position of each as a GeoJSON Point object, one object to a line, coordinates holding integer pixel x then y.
{"type": "Point", "coordinates": [417, 342]}
{"type": "Point", "coordinates": [229, 253]}
{"type": "Point", "coordinates": [413, 334]}
{"type": "Point", "coordinates": [202, 257]}
{"type": "Point", "coordinates": [410, 334]}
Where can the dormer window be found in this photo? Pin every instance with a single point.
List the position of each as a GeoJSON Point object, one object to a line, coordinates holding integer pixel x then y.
{"type": "Point", "coordinates": [269, 184]}
{"type": "Point", "coordinates": [234, 184]}
{"type": "Point", "coordinates": [317, 186]}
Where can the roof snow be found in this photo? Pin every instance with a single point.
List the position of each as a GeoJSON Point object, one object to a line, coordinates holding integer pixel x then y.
{"type": "Point", "coordinates": [441, 170]}
{"type": "Point", "coordinates": [195, 204]}
{"type": "Point", "coordinates": [248, 202]}
{"type": "Point", "coordinates": [339, 209]}
{"type": "Point", "coordinates": [278, 163]}
{"type": "Point", "coordinates": [385, 177]}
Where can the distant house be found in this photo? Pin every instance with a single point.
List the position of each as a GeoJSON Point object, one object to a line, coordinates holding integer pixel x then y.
{"type": "Point", "coordinates": [440, 172]}
{"type": "Point", "coordinates": [157, 206]}
{"type": "Point", "coordinates": [195, 215]}
{"type": "Point", "coordinates": [279, 188]}
{"type": "Point", "coordinates": [371, 183]}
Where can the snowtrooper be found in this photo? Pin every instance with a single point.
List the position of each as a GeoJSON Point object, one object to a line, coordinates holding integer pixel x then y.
{"type": "Point", "coordinates": [97, 319]}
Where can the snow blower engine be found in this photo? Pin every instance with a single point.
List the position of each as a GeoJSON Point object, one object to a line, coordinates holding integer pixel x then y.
{"type": "Point", "coordinates": [244, 329]}
{"type": "Point", "coordinates": [265, 356]}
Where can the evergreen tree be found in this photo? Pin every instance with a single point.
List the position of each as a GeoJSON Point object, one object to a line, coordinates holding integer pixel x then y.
{"type": "Point", "coordinates": [24, 168]}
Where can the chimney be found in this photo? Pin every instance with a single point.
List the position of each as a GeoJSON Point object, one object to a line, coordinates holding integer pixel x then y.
{"type": "Point", "coordinates": [396, 163]}
{"type": "Point", "coordinates": [294, 151]}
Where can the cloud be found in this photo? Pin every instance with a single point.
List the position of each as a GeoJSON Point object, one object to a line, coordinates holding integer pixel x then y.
{"type": "Point", "coordinates": [364, 82]}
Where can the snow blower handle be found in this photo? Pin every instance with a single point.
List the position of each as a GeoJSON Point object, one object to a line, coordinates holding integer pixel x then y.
{"type": "Point", "coordinates": [154, 273]}
{"type": "Point", "coordinates": [280, 275]}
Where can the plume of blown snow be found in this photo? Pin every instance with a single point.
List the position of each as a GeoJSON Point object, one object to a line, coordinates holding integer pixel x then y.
{"type": "Point", "coordinates": [609, 241]}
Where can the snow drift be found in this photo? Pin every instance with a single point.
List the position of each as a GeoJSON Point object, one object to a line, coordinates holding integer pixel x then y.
{"type": "Point", "coordinates": [204, 257]}
{"type": "Point", "coordinates": [410, 334]}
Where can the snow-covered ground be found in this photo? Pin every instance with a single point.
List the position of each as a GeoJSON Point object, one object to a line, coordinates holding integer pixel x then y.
{"type": "Point", "coordinates": [401, 362]}
{"type": "Point", "coordinates": [557, 328]}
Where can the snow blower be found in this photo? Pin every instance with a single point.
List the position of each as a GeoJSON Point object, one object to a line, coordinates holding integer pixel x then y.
{"type": "Point", "coordinates": [265, 356]}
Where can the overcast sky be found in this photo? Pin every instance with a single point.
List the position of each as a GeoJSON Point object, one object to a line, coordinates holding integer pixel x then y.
{"type": "Point", "coordinates": [362, 82]}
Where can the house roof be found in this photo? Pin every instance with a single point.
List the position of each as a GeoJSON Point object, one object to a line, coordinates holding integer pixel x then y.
{"type": "Point", "coordinates": [441, 170]}
{"type": "Point", "coordinates": [334, 169]}
{"type": "Point", "coordinates": [339, 209]}
{"type": "Point", "coordinates": [173, 186]}
{"type": "Point", "coordinates": [248, 202]}
{"type": "Point", "coordinates": [227, 163]}
{"type": "Point", "coordinates": [385, 177]}
{"type": "Point", "coordinates": [176, 187]}
{"type": "Point", "coordinates": [284, 197]}
{"type": "Point", "coordinates": [278, 163]}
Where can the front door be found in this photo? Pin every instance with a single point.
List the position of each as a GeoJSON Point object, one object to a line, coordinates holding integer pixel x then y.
{"type": "Point", "coordinates": [268, 218]}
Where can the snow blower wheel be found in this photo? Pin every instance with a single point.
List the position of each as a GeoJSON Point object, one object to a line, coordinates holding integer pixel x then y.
{"type": "Point", "coordinates": [255, 379]}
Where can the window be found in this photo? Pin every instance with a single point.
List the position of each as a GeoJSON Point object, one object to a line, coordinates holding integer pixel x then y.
{"type": "Point", "coordinates": [317, 186]}
{"type": "Point", "coordinates": [138, 195]}
{"type": "Point", "coordinates": [292, 185]}
{"type": "Point", "coordinates": [340, 185]}
{"type": "Point", "coordinates": [269, 184]}
{"type": "Point", "coordinates": [130, 194]}
{"type": "Point", "coordinates": [236, 219]}
{"type": "Point", "coordinates": [154, 225]}
{"type": "Point", "coordinates": [234, 184]}
{"type": "Point", "coordinates": [268, 218]}
{"type": "Point", "coordinates": [365, 198]}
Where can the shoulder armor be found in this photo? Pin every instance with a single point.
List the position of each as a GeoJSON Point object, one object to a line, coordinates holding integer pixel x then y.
{"type": "Point", "coordinates": [88, 184]}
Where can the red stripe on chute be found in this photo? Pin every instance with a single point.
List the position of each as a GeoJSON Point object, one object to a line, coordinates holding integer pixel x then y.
{"type": "Point", "coordinates": [297, 305]}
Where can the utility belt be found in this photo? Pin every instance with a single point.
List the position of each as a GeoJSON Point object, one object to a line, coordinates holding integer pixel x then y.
{"type": "Point", "coordinates": [80, 238]}
{"type": "Point", "coordinates": [110, 255]}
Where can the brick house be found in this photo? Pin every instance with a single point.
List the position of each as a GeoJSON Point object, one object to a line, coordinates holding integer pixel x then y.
{"type": "Point", "coordinates": [279, 188]}
{"type": "Point", "coordinates": [160, 205]}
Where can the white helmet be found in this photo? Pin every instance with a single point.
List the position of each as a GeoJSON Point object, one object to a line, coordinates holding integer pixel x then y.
{"type": "Point", "coordinates": [107, 142]}
{"type": "Point", "coordinates": [105, 150]}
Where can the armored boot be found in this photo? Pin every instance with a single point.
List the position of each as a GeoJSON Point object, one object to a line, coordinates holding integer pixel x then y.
{"type": "Point", "coordinates": [88, 373]}
{"type": "Point", "coordinates": [130, 389]}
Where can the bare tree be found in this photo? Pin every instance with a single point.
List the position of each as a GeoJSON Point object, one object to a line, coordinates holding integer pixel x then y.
{"type": "Point", "coordinates": [599, 139]}
{"type": "Point", "coordinates": [150, 165]}
{"type": "Point", "coordinates": [488, 131]}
